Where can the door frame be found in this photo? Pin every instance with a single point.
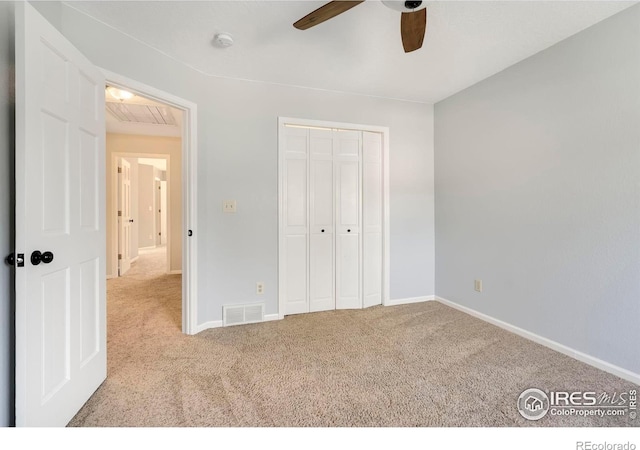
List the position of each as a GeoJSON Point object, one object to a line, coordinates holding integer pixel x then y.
{"type": "Point", "coordinates": [114, 168]}
{"type": "Point", "coordinates": [117, 233]}
{"type": "Point", "coordinates": [324, 124]}
{"type": "Point", "coordinates": [189, 188]}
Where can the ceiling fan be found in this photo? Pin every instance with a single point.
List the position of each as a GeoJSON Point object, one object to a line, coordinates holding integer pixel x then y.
{"type": "Point", "coordinates": [413, 22]}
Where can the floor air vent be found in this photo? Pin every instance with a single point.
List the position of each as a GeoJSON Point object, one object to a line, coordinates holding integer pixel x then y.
{"type": "Point", "coordinates": [241, 314]}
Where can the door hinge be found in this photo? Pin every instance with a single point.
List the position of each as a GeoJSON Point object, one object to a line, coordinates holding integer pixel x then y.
{"type": "Point", "coordinates": [119, 169]}
{"type": "Point", "coordinates": [160, 234]}
{"type": "Point", "coordinates": [119, 213]}
{"type": "Point", "coordinates": [119, 255]}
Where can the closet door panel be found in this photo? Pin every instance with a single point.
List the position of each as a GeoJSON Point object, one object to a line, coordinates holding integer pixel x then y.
{"type": "Point", "coordinates": [296, 267]}
{"type": "Point", "coordinates": [348, 272]}
{"type": "Point", "coordinates": [348, 219]}
{"type": "Point", "coordinates": [321, 203]}
{"type": "Point", "coordinates": [347, 144]}
{"type": "Point", "coordinates": [372, 218]}
{"type": "Point", "coordinates": [322, 194]}
{"type": "Point", "coordinates": [349, 199]}
{"type": "Point", "coordinates": [372, 269]}
{"type": "Point", "coordinates": [296, 195]}
{"type": "Point", "coordinates": [295, 227]}
{"type": "Point", "coordinates": [321, 273]}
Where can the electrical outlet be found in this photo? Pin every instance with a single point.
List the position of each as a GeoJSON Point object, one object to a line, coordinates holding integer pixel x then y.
{"type": "Point", "coordinates": [477, 285]}
{"type": "Point", "coordinates": [229, 206]}
{"type": "Point", "coordinates": [259, 288]}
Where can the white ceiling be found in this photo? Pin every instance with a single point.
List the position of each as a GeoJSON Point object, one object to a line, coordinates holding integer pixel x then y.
{"type": "Point", "coordinates": [359, 51]}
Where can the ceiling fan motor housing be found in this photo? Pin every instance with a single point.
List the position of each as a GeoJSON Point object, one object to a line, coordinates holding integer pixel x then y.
{"type": "Point", "coordinates": [404, 6]}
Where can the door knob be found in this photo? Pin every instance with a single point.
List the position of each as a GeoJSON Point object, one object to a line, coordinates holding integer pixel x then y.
{"type": "Point", "coordinates": [47, 257]}
{"type": "Point", "coordinates": [38, 257]}
{"type": "Point", "coordinates": [131, 220]}
{"type": "Point", "coordinates": [348, 231]}
{"type": "Point", "coordinates": [322, 230]}
{"type": "Point", "coordinates": [17, 260]}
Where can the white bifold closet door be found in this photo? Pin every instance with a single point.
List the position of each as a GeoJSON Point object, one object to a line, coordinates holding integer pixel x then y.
{"type": "Point", "coordinates": [321, 230]}
{"type": "Point", "coordinates": [348, 219]}
{"type": "Point", "coordinates": [294, 218]}
{"type": "Point", "coordinates": [331, 219]}
{"type": "Point", "coordinates": [372, 218]}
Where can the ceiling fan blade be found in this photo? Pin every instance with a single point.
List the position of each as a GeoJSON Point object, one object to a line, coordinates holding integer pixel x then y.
{"type": "Point", "coordinates": [325, 12]}
{"type": "Point", "coordinates": [413, 26]}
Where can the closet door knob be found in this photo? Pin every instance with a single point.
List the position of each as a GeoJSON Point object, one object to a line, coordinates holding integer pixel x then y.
{"type": "Point", "coordinates": [348, 231]}
{"type": "Point", "coordinates": [322, 231]}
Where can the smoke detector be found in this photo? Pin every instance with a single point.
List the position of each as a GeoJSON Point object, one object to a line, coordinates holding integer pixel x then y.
{"type": "Point", "coordinates": [223, 40]}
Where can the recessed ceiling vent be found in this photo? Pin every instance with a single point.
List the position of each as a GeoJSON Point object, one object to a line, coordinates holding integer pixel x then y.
{"type": "Point", "coordinates": [134, 113]}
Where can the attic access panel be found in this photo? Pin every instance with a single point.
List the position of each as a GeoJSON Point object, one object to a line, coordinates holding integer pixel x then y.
{"type": "Point", "coordinates": [134, 113]}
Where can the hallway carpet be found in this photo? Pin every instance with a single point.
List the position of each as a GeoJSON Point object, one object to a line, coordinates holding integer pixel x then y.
{"type": "Point", "coordinates": [423, 364]}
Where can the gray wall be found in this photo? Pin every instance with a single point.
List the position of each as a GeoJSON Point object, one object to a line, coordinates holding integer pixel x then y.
{"type": "Point", "coordinates": [237, 139]}
{"type": "Point", "coordinates": [538, 194]}
{"type": "Point", "coordinates": [7, 196]}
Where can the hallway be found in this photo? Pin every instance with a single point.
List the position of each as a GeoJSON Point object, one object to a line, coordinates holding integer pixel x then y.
{"type": "Point", "coordinates": [144, 297]}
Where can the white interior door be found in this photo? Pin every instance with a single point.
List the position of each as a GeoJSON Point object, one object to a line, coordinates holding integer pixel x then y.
{"type": "Point", "coordinates": [158, 213]}
{"type": "Point", "coordinates": [348, 215]}
{"type": "Point", "coordinates": [60, 208]}
{"type": "Point", "coordinates": [124, 216]}
{"type": "Point", "coordinates": [371, 218]}
{"type": "Point", "coordinates": [163, 213]}
{"type": "Point", "coordinates": [295, 230]}
{"type": "Point", "coordinates": [321, 214]}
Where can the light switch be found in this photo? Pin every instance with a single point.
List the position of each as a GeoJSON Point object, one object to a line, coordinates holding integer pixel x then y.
{"type": "Point", "coordinates": [229, 206]}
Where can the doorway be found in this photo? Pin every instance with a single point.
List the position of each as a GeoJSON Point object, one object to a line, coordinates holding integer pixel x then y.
{"type": "Point", "coordinates": [141, 210]}
{"type": "Point", "coordinates": [180, 216]}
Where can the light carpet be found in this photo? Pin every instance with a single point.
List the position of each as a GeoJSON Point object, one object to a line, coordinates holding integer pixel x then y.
{"type": "Point", "coordinates": [423, 364]}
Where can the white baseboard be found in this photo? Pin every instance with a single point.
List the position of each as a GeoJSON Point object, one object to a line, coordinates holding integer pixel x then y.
{"type": "Point", "coordinates": [174, 272]}
{"type": "Point", "coordinates": [406, 301]}
{"type": "Point", "coordinates": [207, 325]}
{"type": "Point", "coordinates": [575, 354]}
{"type": "Point", "coordinates": [270, 317]}
{"type": "Point", "coordinates": [110, 277]}
{"type": "Point", "coordinates": [134, 259]}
